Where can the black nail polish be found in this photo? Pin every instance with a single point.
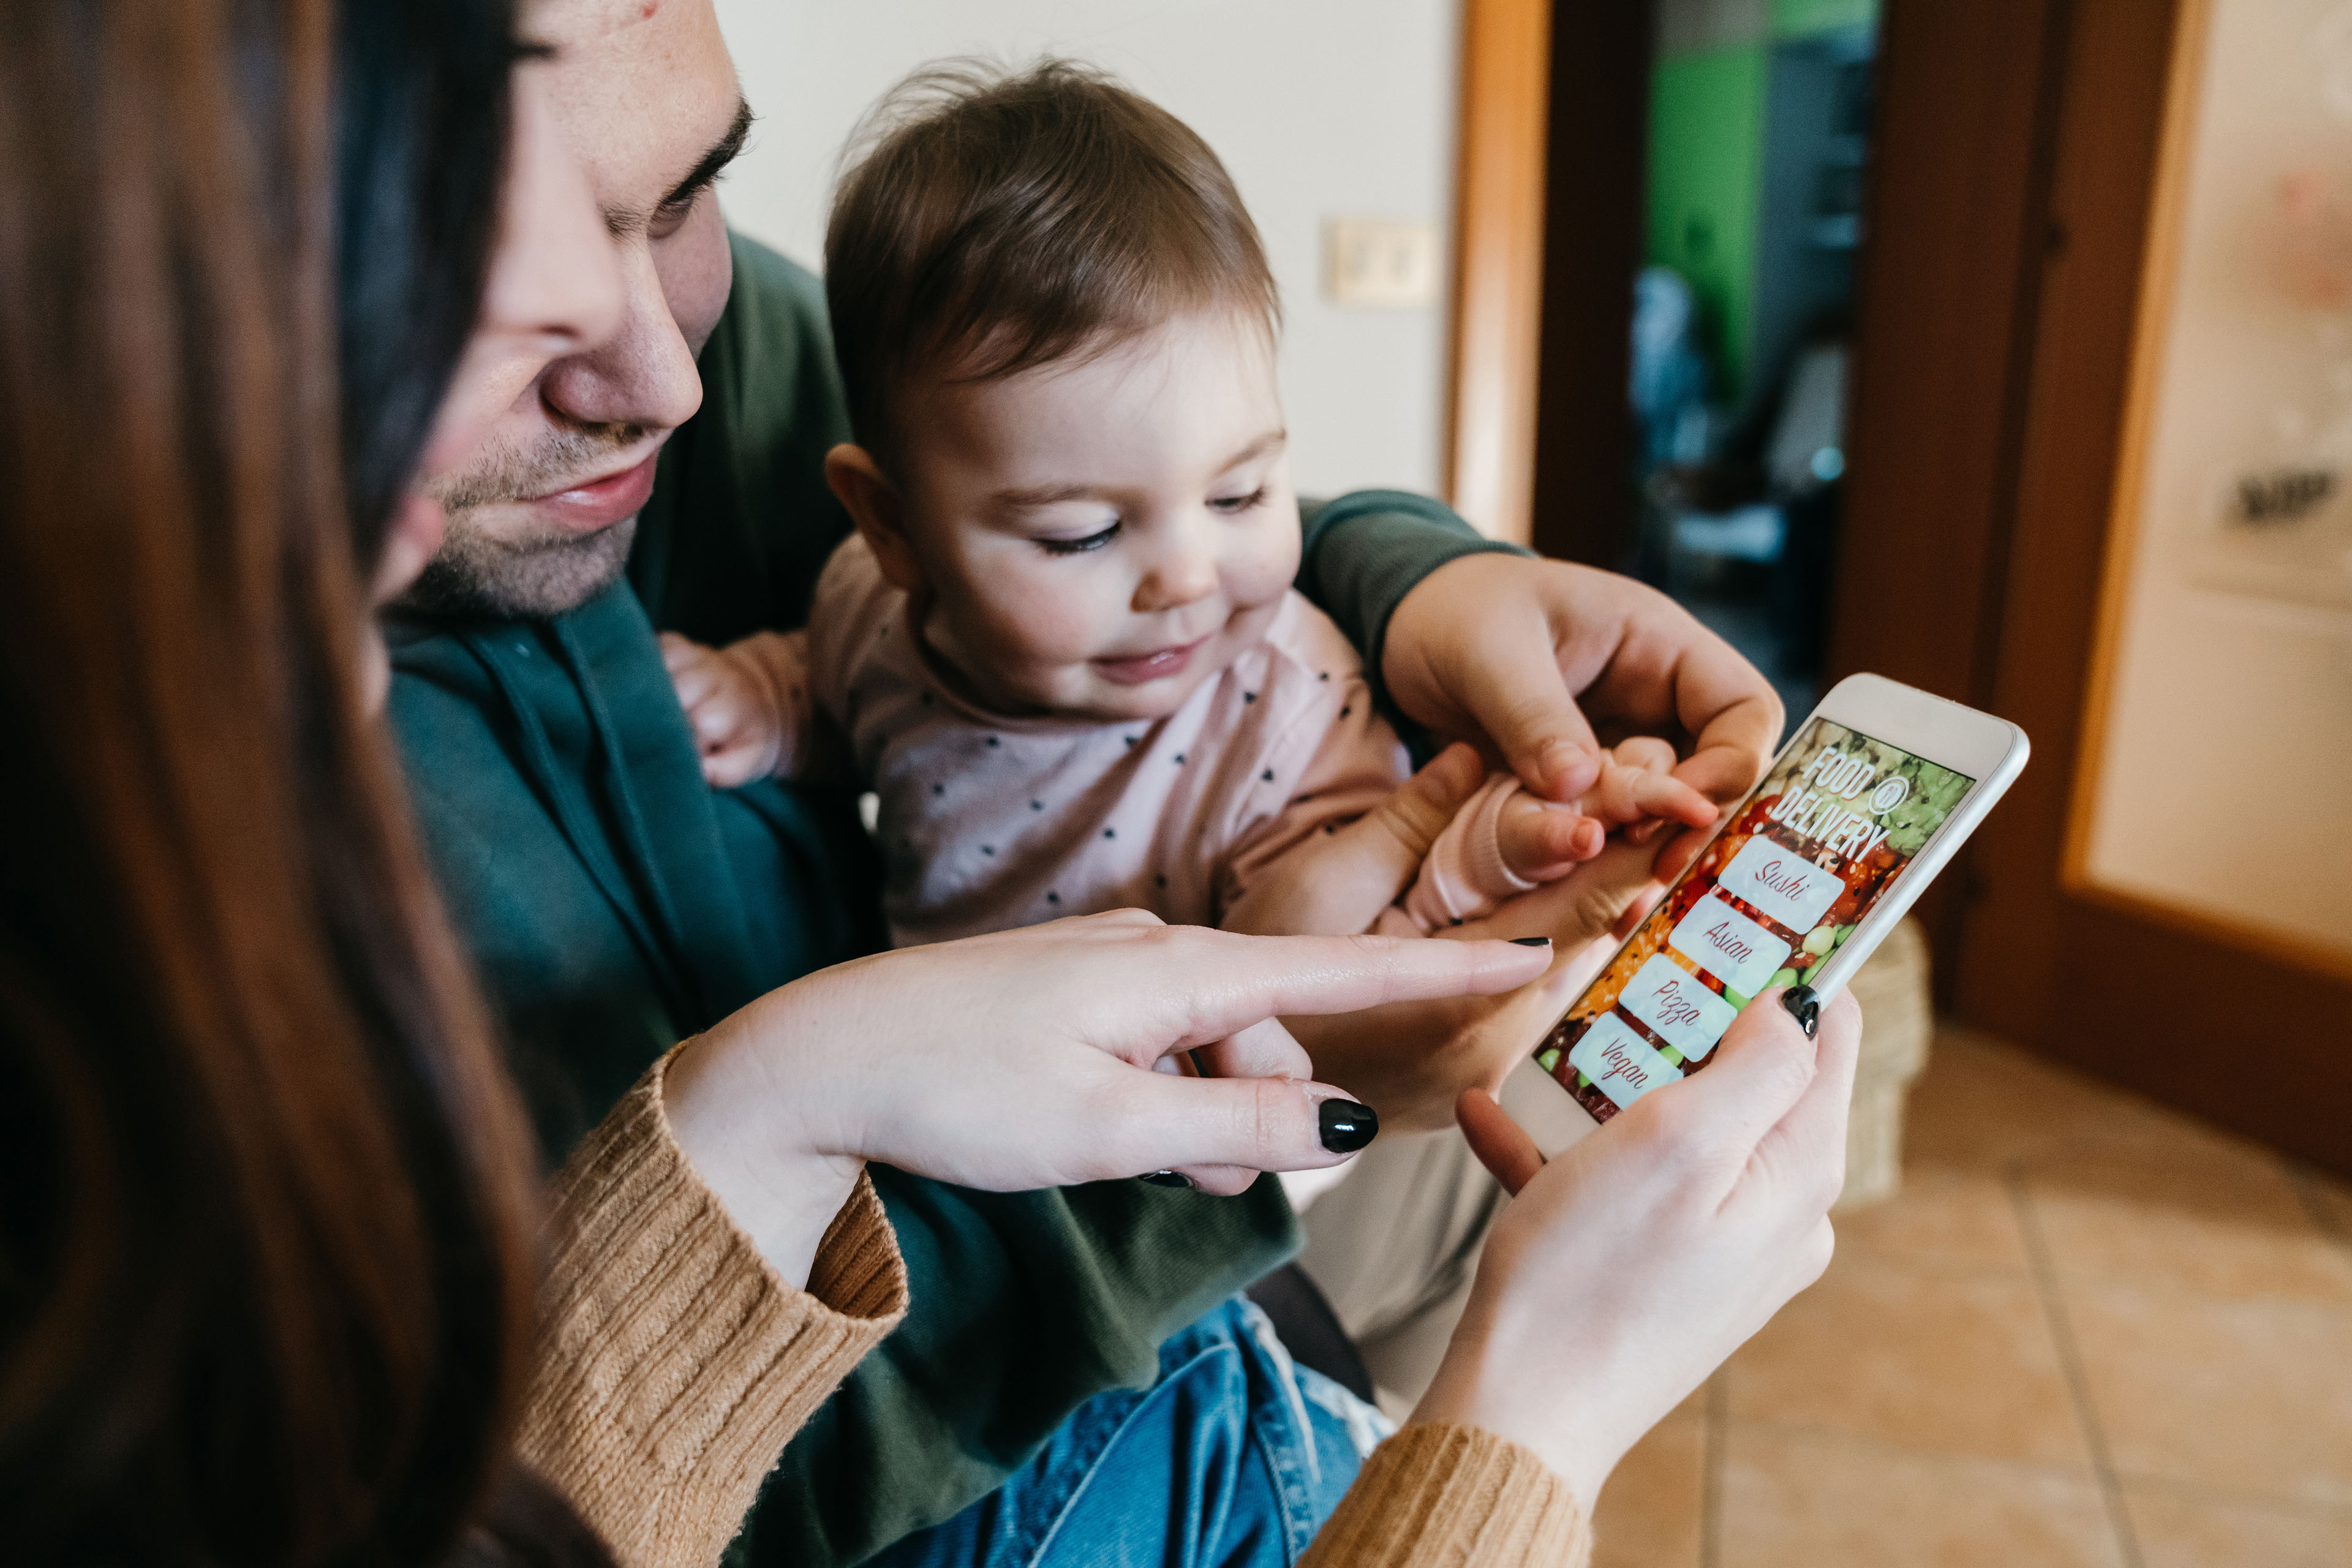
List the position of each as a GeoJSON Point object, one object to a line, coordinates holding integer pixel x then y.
{"type": "Point", "coordinates": [1166, 1179]}
{"type": "Point", "coordinates": [1347, 1126]}
{"type": "Point", "coordinates": [1531, 941]}
{"type": "Point", "coordinates": [1803, 1006]}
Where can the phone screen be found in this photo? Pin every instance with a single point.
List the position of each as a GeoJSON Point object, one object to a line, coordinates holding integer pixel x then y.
{"type": "Point", "coordinates": [1768, 904]}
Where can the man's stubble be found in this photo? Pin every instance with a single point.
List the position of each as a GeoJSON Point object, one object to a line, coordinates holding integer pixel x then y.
{"type": "Point", "coordinates": [479, 572]}
{"type": "Point", "coordinates": [477, 576]}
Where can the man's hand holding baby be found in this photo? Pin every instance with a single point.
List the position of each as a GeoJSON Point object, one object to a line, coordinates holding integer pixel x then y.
{"type": "Point", "coordinates": [1534, 658]}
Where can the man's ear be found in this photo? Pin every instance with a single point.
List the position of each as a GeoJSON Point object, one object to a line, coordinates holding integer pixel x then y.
{"type": "Point", "coordinates": [874, 504]}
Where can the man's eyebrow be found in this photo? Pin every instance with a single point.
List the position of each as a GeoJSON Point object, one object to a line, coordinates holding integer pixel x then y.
{"type": "Point", "coordinates": [723, 151]}
{"type": "Point", "coordinates": [713, 162]}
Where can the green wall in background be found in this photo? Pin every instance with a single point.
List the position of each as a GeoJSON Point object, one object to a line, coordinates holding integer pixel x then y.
{"type": "Point", "coordinates": [1803, 18]}
{"type": "Point", "coordinates": [1706, 145]}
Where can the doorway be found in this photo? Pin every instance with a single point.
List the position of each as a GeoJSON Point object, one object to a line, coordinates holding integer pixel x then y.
{"type": "Point", "coordinates": [1742, 333]}
{"type": "Point", "coordinates": [1985, 302]}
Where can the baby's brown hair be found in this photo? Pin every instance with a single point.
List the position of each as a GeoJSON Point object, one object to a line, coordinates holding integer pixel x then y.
{"type": "Point", "coordinates": [998, 222]}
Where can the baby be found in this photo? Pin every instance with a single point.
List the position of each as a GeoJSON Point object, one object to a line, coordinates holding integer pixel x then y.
{"type": "Point", "coordinates": [1063, 648]}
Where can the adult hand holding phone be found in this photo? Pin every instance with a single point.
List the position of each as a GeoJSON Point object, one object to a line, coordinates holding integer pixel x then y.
{"type": "Point", "coordinates": [1628, 1269]}
{"type": "Point", "coordinates": [1040, 1057]}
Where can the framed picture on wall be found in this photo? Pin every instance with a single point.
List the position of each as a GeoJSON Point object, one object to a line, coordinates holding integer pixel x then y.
{"type": "Point", "coordinates": [2222, 658]}
{"type": "Point", "coordinates": [2243, 480]}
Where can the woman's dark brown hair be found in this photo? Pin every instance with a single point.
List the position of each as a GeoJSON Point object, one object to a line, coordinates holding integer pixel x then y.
{"type": "Point", "coordinates": [264, 1287]}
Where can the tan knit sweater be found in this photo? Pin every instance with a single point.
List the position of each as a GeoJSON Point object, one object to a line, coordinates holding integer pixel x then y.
{"type": "Point", "coordinates": [675, 1364]}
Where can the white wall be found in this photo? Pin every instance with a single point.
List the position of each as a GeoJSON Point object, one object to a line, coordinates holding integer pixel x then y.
{"type": "Point", "coordinates": [1320, 108]}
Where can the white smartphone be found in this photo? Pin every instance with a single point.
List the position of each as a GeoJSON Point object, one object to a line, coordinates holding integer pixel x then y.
{"type": "Point", "coordinates": [1854, 818]}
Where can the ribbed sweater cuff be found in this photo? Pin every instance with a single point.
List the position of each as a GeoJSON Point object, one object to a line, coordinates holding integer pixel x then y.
{"type": "Point", "coordinates": [674, 1362]}
{"type": "Point", "coordinates": [1457, 1496]}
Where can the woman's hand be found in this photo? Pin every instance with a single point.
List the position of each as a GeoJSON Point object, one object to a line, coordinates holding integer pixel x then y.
{"type": "Point", "coordinates": [1625, 1271]}
{"type": "Point", "coordinates": [1038, 1057]}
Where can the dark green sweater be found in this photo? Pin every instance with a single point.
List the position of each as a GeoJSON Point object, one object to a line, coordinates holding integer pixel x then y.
{"type": "Point", "coordinates": [616, 905]}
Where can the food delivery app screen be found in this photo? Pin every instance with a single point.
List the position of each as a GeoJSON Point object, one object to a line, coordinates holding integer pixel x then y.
{"type": "Point", "coordinates": [1778, 892]}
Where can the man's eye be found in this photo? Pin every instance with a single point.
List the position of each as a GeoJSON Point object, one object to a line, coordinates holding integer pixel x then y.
{"type": "Point", "coordinates": [670, 216]}
{"type": "Point", "coordinates": [1080, 546]}
{"type": "Point", "coordinates": [1231, 504]}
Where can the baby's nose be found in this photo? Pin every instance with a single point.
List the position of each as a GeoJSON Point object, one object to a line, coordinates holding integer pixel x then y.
{"type": "Point", "coordinates": [1176, 580]}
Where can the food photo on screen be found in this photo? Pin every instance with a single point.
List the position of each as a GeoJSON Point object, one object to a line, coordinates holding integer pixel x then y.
{"type": "Point", "coordinates": [1768, 904]}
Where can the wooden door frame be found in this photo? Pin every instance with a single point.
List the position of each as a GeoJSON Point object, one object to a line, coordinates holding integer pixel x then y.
{"type": "Point", "coordinates": [1553, 129]}
{"type": "Point", "coordinates": [1498, 228]}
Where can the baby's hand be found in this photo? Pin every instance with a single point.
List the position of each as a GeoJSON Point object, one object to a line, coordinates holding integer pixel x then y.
{"type": "Point", "coordinates": [745, 703]}
{"type": "Point", "coordinates": [1542, 840]}
{"type": "Point", "coordinates": [1637, 790]}
{"type": "Point", "coordinates": [1504, 841]}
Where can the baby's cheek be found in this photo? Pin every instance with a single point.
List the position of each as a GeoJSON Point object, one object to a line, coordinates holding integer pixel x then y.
{"type": "Point", "coordinates": [1045, 627]}
{"type": "Point", "coordinates": [1262, 571]}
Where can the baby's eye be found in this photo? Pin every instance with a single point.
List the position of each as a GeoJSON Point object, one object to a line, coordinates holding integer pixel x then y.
{"type": "Point", "coordinates": [1080, 546]}
{"type": "Point", "coordinates": [1233, 504]}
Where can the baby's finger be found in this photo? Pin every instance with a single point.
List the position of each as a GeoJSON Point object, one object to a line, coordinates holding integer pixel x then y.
{"type": "Point", "coordinates": [735, 764]}
{"type": "Point", "coordinates": [1540, 840]}
{"type": "Point", "coordinates": [695, 680]}
{"type": "Point", "coordinates": [1646, 752]}
{"type": "Point", "coordinates": [1660, 794]}
{"type": "Point", "coordinates": [718, 718]}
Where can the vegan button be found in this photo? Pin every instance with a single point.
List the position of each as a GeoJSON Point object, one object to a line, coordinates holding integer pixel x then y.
{"type": "Point", "coordinates": [1619, 1061]}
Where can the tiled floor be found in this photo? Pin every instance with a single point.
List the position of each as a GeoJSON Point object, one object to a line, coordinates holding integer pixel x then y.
{"type": "Point", "coordinates": [2089, 1334]}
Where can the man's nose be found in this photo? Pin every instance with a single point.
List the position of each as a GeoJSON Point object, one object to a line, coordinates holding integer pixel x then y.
{"type": "Point", "coordinates": [643, 375]}
{"type": "Point", "coordinates": [1183, 573]}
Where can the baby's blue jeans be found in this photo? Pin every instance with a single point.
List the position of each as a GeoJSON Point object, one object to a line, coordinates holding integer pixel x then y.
{"type": "Point", "coordinates": [1234, 1458]}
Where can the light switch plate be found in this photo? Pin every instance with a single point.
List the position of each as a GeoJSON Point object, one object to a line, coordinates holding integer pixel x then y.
{"type": "Point", "coordinates": [1380, 262]}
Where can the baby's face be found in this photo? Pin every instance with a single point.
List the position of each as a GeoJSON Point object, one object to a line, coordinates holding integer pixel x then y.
{"type": "Point", "coordinates": [1098, 537]}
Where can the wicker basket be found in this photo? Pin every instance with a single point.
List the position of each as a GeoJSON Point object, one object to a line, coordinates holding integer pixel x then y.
{"type": "Point", "coordinates": [1898, 1018]}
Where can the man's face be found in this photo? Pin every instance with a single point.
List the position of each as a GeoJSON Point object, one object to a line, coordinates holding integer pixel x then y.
{"type": "Point", "coordinates": [542, 513]}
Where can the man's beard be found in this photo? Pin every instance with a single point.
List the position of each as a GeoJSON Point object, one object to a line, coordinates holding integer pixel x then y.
{"type": "Point", "coordinates": [544, 573]}
{"type": "Point", "coordinates": [476, 576]}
